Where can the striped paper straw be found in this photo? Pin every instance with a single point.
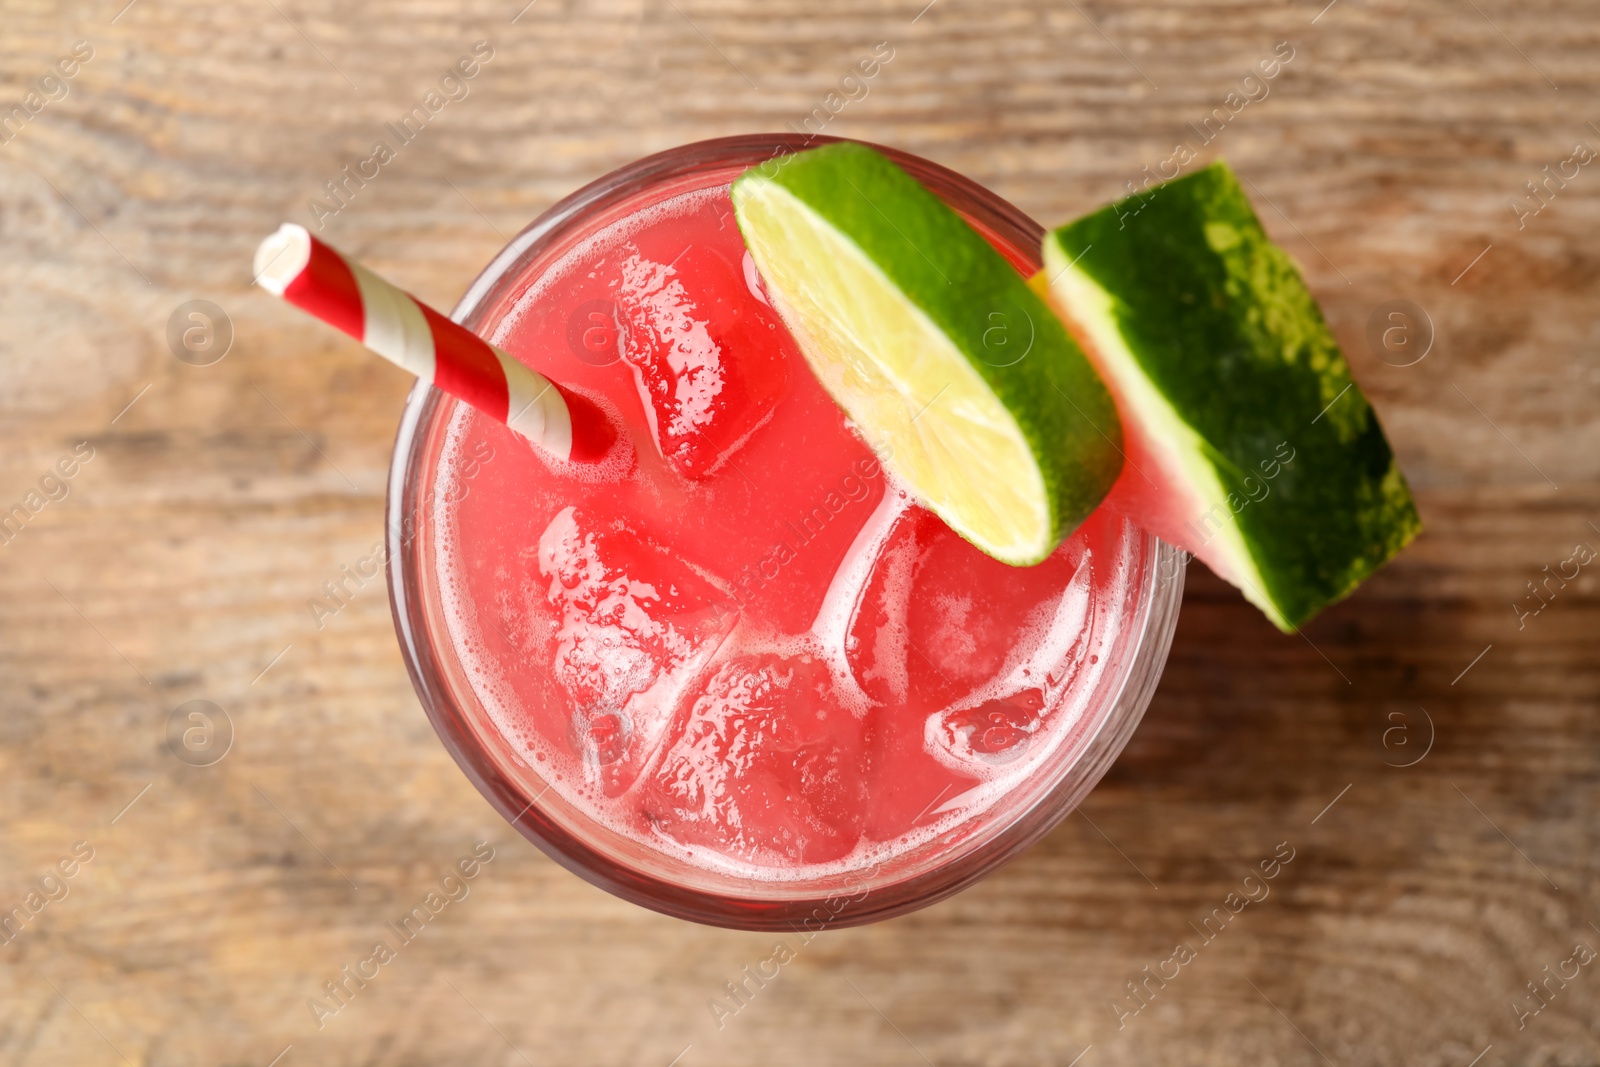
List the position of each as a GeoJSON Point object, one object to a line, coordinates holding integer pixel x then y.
{"type": "Point", "coordinates": [402, 329]}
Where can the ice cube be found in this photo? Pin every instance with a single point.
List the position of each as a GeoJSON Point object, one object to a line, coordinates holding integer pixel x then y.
{"type": "Point", "coordinates": [877, 646]}
{"type": "Point", "coordinates": [709, 360]}
{"type": "Point", "coordinates": [766, 767]}
{"type": "Point", "coordinates": [994, 730]}
{"type": "Point", "coordinates": [636, 623]}
{"type": "Point", "coordinates": [998, 722]}
{"type": "Point", "coordinates": [970, 613]}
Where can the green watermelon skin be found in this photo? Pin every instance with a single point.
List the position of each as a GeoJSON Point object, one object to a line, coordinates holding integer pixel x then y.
{"type": "Point", "coordinates": [1218, 354]}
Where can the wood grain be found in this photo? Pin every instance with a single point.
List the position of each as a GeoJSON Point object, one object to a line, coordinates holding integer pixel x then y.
{"type": "Point", "coordinates": [178, 565]}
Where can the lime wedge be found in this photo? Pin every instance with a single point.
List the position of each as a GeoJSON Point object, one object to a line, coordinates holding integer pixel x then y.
{"type": "Point", "coordinates": [960, 376]}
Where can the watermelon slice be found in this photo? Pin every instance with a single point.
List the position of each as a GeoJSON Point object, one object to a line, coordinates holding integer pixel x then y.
{"type": "Point", "coordinates": [1248, 443]}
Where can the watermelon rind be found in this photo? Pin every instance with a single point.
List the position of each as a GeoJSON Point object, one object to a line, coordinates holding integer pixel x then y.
{"type": "Point", "coordinates": [1270, 464]}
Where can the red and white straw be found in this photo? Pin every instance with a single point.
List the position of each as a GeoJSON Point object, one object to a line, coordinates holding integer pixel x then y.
{"type": "Point", "coordinates": [402, 329]}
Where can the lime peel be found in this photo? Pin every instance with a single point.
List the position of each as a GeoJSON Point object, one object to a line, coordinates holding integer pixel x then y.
{"type": "Point", "coordinates": [896, 302]}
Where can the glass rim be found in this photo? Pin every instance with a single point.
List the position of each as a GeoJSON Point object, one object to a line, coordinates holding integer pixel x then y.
{"type": "Point", "coordinates": [1160, 585]}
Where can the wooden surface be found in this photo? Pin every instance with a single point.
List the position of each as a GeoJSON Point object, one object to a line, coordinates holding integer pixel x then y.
{"type": "Point", "coordinates": [178, 566]}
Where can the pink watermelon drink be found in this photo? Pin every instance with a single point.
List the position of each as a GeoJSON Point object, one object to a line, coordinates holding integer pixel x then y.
{"type": "Point", "coordinates": [734, 671]}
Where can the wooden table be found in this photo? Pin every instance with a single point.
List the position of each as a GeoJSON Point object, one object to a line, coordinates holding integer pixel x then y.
{"type": "Point", "coordinates": [219, 498]}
